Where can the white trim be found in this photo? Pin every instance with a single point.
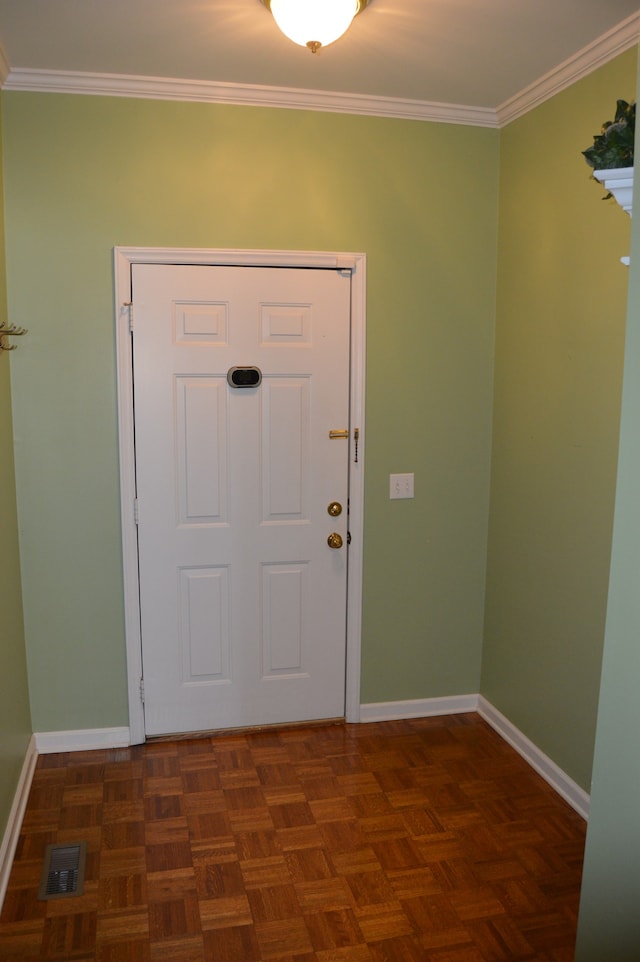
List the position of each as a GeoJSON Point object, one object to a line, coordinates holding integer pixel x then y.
{"type": "Point", "coordinates": [82, 740]}
{"type": "Point", "coordinates": [418, 708]}
{"type": "Point", "coordinates": [14, 822]}
{"type": "Point", "coordinates": [356, 489]}
{"type": "Point", "coordinates": [124, 258]}
{"type": "Point", "coordinates": [456, 704]}
{"type": "Point", "coordinates": [246, 95]}
{"type": "Point", "coordinates": [620, 38]}
{"type": "Point", "coordinates": [102, 738]}
{"type": "Point", "coordinates": [612, 43]}
{"type": "Point", "coordinates": [543, 765]}
{"type": "Point", "coordinates": [618, 182]}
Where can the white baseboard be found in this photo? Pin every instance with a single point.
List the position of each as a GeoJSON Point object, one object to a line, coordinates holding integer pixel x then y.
{"type": "Point", "coordinates": [454, 704]}
{"type": "Point", "coordinates": [14, 823]}
{"type": "Point", "coordinates": [96, 738]}
{"type": "Point", "coordinates": [81, 740]}
{"type": "Point", "coordinates": [543, 765]}
{"type": "Point", "coordinates": [418, 708]}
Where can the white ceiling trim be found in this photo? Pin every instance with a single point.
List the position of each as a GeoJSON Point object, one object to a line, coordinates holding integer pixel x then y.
{"type": "Point", "coordinates": [161, 88]}
{"type": "Point", "coordinates": [620, 38]}
{"type": "Point", "coordinates": [617, 40]}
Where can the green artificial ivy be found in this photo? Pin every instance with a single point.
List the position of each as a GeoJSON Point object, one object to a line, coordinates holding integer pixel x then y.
{"type": "Point", "coordinates": [613, 147]}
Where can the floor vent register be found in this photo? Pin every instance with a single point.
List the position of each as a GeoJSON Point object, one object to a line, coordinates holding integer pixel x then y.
{"type": "Point", "coordinates": [63, 871]}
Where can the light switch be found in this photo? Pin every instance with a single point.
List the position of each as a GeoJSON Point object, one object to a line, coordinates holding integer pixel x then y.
{"type": "Point", "coordinates": [400, 486]}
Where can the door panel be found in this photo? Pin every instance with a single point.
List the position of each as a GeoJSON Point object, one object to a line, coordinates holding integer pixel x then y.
{"type": "Point", "coordinates": [204, 626]}
{"type": "Point", "coordinates": [285, 449]}
{"type": "Point", "coordinates": [201, 443]}
{"type": "Point", "coordinates": [243, 603]}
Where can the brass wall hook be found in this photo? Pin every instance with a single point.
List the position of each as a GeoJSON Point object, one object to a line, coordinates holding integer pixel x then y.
{"type": "Point", "coordinates": [10, 330]}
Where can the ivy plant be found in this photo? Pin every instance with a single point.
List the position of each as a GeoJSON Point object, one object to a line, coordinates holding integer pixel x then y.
{"type": "Point", "coordinates": [613, 146]}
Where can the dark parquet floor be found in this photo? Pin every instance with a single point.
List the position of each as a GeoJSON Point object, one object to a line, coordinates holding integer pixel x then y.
{"type": "Point", "coordinates": [427, 840]}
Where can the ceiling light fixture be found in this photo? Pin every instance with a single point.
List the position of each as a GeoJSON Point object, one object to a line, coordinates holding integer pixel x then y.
{"type": "Point", "coordinates": [314, 23]}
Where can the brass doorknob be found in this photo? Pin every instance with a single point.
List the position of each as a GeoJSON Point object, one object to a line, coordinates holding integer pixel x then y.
{"type": "Point", "coordinates": [334, 540]}
{"type": "Point", "coordinates": [334, 509]}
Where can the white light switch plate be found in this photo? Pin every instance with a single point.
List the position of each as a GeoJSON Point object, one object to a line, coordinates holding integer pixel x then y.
{"type": "Point", "coordinates": [400, 486]}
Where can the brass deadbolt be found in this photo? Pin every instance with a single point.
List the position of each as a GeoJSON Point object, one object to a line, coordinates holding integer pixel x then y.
{"type": "Point", "coordinates": [334, 509]}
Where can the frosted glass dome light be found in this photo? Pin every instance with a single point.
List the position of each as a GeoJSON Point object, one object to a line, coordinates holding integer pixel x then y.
{"type": "Point", "coordinates": [314, 23]}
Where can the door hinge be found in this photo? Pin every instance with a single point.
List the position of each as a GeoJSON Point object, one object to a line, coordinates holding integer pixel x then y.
{"type": "Point", "coordinates": [142, 690]}
{"type": "Point", "coordinates": [129, 306]}
{"type": "Point", "coordinates": [136, 512]}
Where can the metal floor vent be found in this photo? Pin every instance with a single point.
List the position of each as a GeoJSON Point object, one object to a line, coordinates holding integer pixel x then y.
{"type": "Point", "coordinates": [63, 871]}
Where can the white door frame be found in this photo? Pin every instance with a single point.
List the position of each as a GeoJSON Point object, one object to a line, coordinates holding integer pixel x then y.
{"type": "Point", "coordinates": [124, 259]}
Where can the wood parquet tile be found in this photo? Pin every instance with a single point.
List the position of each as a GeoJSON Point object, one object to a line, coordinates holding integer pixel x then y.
{"type": "Point", "coordinates": [428, 840]}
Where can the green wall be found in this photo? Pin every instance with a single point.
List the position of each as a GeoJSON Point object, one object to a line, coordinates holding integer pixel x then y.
{"type": "Point", "coordinates": [559, 351]}
{"type": "Point", "coordinates": [83, 174]}
{"type": "Point", "coordinates": [609, 922]}
{"type": "Point", "coordinates": [86, 173]}
{"type": "Point", "coordinates": [15, 720]}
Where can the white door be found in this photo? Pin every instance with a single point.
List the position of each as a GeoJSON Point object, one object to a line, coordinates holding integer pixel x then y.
{"type": "Point", "coordinates": [243, 601]}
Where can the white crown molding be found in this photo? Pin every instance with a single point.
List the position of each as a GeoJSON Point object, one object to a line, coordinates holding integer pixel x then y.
{"type": "Point", "coordinates": [616, 41]}
{"type": "Point", "coordinates": [252, 95]}
{"type": "Point", "coordinates": [620, 38]}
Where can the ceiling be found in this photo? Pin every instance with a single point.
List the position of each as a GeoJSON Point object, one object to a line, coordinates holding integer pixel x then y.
{"type": "Point", "coordinates": [479, 53]}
